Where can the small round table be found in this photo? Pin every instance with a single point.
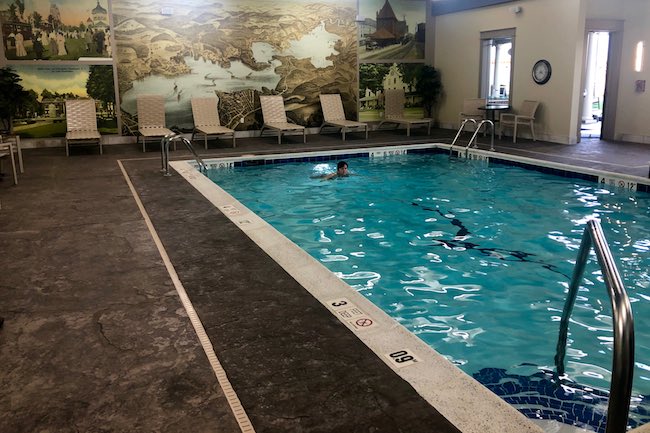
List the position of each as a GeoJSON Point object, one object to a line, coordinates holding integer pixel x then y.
{"type": "Point", "coordinates": [492, 109]}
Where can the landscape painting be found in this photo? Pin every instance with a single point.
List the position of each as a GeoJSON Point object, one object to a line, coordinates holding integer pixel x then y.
{"type": "Point", "coordinates": [236, 50]}
{"type": "Point", "coordinates": [55, 30]}
{"type": "Point", "coordinates": [49, 85]}
{"type": "Point", "coordinates": [392, 29]}
{"type": "Point", "coordinates": [376, 78]}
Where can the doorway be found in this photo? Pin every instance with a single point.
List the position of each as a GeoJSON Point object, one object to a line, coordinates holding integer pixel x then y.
{"type": "Point", "coordinates": [595, 82]}
{"type": "Point", "coordinates": [603, 38]}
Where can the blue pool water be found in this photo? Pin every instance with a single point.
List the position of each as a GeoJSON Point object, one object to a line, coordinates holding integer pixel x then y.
{"type": "Point", "coordinates": [476, 260]}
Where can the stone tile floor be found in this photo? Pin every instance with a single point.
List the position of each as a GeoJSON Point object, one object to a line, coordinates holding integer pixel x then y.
{"type": "Point", "coordinates": [96, 339]}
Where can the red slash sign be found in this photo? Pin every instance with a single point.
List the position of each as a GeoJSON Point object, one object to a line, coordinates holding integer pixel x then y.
{"type": "Point", "coordinates": [363, 322]}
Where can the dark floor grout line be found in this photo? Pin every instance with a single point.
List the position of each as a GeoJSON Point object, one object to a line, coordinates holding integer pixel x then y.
{"type": "Point", "coordinates": [231, 396]}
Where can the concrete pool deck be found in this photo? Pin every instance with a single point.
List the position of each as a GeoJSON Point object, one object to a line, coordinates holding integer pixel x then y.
{"type": "Point", "coordinates": [96, 339]}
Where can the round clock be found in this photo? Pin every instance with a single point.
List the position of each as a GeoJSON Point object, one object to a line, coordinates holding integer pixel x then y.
{"type": "Point", "coordinates": [541, 71]}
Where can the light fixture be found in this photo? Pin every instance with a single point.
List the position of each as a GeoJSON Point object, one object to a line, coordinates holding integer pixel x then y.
{"type": "Point", "coordinates": [638, 58]}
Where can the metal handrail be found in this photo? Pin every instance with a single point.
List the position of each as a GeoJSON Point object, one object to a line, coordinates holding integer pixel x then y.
{"type": "Point", "coordinates": [478, 128]}
{"type": "Point", "coordinates": [164, 152]}
{"type": "Point", "coordinates": [462, 126]}
{"type": "Point", "coordinates": [620, 389]}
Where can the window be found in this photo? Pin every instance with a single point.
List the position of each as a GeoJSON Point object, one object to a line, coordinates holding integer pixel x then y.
{"type": "Point", "coordinates": [497, 56]}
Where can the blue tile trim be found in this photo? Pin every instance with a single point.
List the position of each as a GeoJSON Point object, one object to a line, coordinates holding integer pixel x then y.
{"type": "Point", "coordinates": [541, 396]}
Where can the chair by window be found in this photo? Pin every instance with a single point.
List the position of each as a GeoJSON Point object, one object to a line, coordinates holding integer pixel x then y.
{"type": "Point", "coordinates": [472, 110]}
{"type": "Point", "coordinates": [525, 116]}
{"type": "Point", "coordinates": [334, 115]}
{"type": "Point", "coordinates": [151, 118]}
{"type": "Point", "coordinates": [206, 119]}
{"type": "Point", "coordinates": [81, 123]}
{"type": "Point", "coordinates": [394, 112]}
{"type": "Point", "coordinates": [275, 117]}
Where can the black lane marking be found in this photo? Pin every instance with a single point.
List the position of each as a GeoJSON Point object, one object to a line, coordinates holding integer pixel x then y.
{"type": "Point", "coordinates": [497, 253]}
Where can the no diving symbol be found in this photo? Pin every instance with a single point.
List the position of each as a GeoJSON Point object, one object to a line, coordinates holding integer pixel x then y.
{"type": "Point", "coordinates": [363, 322]}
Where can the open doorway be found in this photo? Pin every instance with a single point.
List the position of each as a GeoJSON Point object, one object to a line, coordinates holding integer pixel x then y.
{"type": "Point", "coordinates": [595, 81]}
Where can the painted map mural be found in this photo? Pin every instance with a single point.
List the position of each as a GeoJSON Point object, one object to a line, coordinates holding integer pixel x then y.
{"type": "Point", "coordinates": [236, 50]}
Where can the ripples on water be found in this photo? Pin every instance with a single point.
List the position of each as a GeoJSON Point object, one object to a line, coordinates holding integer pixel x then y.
{"type": "Point", "coordinates": [474, 259]}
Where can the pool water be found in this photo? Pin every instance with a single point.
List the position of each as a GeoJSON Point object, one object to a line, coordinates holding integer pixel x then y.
{"type": "Point", "coordinates": [473, 258]}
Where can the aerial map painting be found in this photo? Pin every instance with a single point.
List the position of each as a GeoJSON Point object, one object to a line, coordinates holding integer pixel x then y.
{"type": "Point", "coordinates": [237, 50]}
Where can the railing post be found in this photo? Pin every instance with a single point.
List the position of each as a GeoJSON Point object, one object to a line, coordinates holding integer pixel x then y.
{"type": "Point", "coordinates": [620, 389]}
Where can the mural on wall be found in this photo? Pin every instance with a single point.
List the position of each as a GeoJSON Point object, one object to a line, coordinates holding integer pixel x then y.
{"type": "Point", "coordinates": [376, 78]}
{"type": "Point", "coordinates": [236, 50]}
{"type": "Point", "coordinates": [55, 29]}
{"type": "Point", "coordinates": [392, 29]}
{"type": "Point", "coordinates": [49, 85]}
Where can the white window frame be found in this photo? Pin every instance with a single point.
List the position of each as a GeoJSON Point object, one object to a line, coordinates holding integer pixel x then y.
{"type": "Point", "coordinates": [489, 39]}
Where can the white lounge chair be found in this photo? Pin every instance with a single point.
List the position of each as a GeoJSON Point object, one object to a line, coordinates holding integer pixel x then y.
{"type": "Point", "coordinates": [394, 112]}
{"type": "Point", "coordinates": [7, 150]}
{"type": "Point", "coordinates": [206, 119]}
{"type": "Point", "coordinates": [334, 115]}
{"type": "Point", "coordinates": [81, 123]}
{"type": "Point", "coordinates": [151, 118]}
{"type": "Point", "coordinates": [275, 117]}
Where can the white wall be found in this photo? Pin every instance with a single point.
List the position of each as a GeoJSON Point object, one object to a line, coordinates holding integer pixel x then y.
{"type": "Point", "coordinates": [545, 29]}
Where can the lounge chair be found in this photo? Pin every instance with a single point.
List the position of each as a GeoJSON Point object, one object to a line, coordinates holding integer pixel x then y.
{"type": "Point", "coordinates": [394, 112]}
{"type": "Point", "coordinates": [81, 123]}
{"type": "Point", "coordinates": [524, 117]}
{"type": "Point", "coordinates": [151, 118]}
{"type": "Point", "coordinates": [15, 141]}
{"type": "Point", "coordinates": [276, 118]}
{"type": "Point", "coordinates": [7, 150]}
{"type": "Point", "coordinates": [334, 115]}
{"type": "Point", "coordinates": [206, 119]}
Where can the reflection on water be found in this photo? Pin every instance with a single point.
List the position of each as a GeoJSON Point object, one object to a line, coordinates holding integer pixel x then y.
{"type": "Point", "coordinates": [206, 77]}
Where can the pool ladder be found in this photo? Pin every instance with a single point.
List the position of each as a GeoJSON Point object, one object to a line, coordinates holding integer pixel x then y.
{"type": "Point", "coordinates": [478, 127]}
{"type": "Point", "coordinates": [620, 389]}
{"type": "Point", "coordinates": [164, 152]}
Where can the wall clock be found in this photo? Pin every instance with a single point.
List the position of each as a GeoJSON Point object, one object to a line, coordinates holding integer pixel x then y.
{"type": "Point", "coordinates": [541, 71]}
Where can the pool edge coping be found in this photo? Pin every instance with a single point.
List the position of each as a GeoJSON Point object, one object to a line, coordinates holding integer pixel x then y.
{"type": "Point", "coordinates": [443, 385]}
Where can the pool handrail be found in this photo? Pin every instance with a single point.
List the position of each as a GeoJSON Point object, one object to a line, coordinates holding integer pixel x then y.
{"type": "Point", "coordinates": [164, 152]}
{"type": "Point", "coordinates": [460, 129]}
{"type": "Point", "coordinates": [623, 358]}
{"type": "Point", "coordinates": [478, 128]}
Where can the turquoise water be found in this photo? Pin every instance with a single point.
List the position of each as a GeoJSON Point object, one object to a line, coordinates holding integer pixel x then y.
{"type": "Point", "coordinates": [475, 259]}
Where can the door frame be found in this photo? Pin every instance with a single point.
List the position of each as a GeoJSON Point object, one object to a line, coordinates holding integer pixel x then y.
{"type": "Point", "coordinates": [612, 79]}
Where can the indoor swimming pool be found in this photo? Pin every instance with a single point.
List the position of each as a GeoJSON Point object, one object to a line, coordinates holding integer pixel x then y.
{"type": "Point", "coordinates": [475, 259]}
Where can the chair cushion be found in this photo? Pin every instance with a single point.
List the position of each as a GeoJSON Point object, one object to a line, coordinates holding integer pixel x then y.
{"type": "Point", "coordinates": [284, 126]}
{"type": "Point", "coordinates": [213, 129]}
{"type": "Point", "coordinates": [154, 131]}
{"type": "Point", "coordinates": [82, 135]}
{"type": "Point", "coordinates": [346, 123]}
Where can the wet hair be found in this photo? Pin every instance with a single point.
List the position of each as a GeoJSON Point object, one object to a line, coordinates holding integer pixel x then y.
{"type": "Point", "coordinates": [341, 164]}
